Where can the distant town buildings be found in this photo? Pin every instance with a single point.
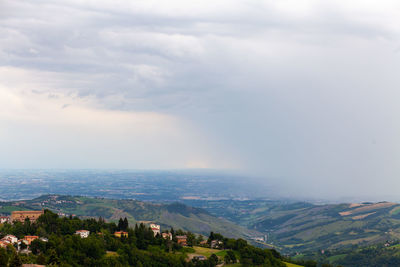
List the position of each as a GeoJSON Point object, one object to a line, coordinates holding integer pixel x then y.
{"type": "Point", "coordinates": [181, 240]}
{"type": "Point", "coordinates": [20, 216]}
{"type": "Point", "coordinates": [121, 234]}
{"type": "Point", "coordinates": [155, 228]}
{"type": "Point", "coordinates": [83, 233]}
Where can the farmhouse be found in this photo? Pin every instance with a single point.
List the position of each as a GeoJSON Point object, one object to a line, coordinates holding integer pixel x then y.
{"type": "Point", "coordinates": [30, 238]}
{"type": "Point", "coordinates": [200, 258]}
{"type": "Point", "coordinates": [83, 233]}
{"type": "Point", "coordinates": [167, 236]}
{"type": "Point", "coordinates": [155, 228]}
{"type": "Point", "coordinates": [121, 234]}
{"type": "Point", "coordinates": [216, 244]}
{"type": "Point", "coordinates": [4, 219]}
{"type": "Point", "coordinates": [10, 239]}
{"type": "Point", "coordinates": [20, 216]}
{"type": "Point", "coordinates": [182, 240]}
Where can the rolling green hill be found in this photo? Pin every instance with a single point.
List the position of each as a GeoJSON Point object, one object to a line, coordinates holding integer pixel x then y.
{"type": "Point", "coordinates": [304, 226]}
{"type": "Point", "coordinates": [176, 215]}
{"type": "Point", "coordinates": [333, 226]}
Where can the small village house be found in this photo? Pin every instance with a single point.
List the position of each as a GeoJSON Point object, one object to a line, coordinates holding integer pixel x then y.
{"type": "Point", "coordinates": [30, 238]}
{"type": "Point", "coordinates": [121, 234]}
{"type": "Point", "coordinates": [83, 233]}
{"type": "Point", "coordinates": [155, 228]}
{"type": "Point", "coordinates": [216, 244]}
{"type": "Point", "coordinates": [21, 215]}
{"type": "Point", "coordinates": [181, 240]}
{"type": "Point", "coordinates": [10, 239]}
{"type": "Point", "coordinates": [167, 236]}
{"type": "Point", "coordinates": [4, 219]}
{"type": "Point", "coordinates": [3, 244]}
{"type": "Point", "coordinates": [203, 243]}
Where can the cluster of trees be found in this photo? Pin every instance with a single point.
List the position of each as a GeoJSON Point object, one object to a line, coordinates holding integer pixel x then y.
{"type": "Point", "coordinates": [375, 255]}
{"type": "Point", "coordinates": [371, 256]}
{"type": "Point", "coordinates": [102, 248]}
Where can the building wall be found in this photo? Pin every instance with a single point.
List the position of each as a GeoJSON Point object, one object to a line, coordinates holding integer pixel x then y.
{"type": "Point", "coordinates": [20, 216]}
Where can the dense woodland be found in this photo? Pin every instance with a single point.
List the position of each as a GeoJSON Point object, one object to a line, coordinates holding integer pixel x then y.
{"type": "Point", "coordinates": [381, 255]}
{"type": "Point", "coordinates": [102, 248]}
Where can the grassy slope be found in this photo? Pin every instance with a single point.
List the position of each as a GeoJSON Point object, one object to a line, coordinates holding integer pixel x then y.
{"type": "Point", "coordinates": [304, 226]}
{"type": "Point", "coordinates": [292, 265]}
{"type": "Point", "coordinates": [330, 226]}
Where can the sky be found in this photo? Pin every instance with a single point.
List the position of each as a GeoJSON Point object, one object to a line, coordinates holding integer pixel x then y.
{"type": "Point", "coordinates": [300, 94]}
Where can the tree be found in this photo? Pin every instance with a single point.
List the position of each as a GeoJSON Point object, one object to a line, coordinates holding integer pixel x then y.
{"type": "Point", "coordinates": [53, 258]}
{"type": "Point", "coordinates": [214, 259]}
{"type": "Point", "coordinates": [15, 261]}
{"type": "Point", "coordinates": [126, 224]}
{"type": "Point", "coordinates": [23, 245]}
{"type": "Point", "coordinates": [231, 256]}
{"type": "Point", "coordinates": [41, 259]}
{"type": "Point", "coordinates": [3, 257]}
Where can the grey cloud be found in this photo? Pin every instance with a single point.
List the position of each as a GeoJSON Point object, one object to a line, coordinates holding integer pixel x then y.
{"type": "Point", "coordinates": [304, 98]}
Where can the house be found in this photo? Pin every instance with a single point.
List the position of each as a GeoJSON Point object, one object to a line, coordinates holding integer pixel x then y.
{"type": "Point", "coordinates": [83, 233]}
{"type": "Point", "coordinates": [10, 238]}
{"type": "Point", "coordinates": [4, 219]}
{"type": "Point", "coordinates": [182, 240]}
{"type": "Point", "coordinates": [200, 258]}
{"type": "Point", "coordinates": [216, 244]}
{"type": "Point", "coordinates": [21, 215]}
{"type": "Point", "coordinates": [167, 236]}
{"type": "Point", "coordinates": [203, 243]}
{"type": "Point", "coordinates": [155, 228]}
{"type": "Point", "coordinates": [121, 234]}
{"type": "Point", "coordinates": [30, 238]}
{"type": "Point", "coordinates": [3, 244]}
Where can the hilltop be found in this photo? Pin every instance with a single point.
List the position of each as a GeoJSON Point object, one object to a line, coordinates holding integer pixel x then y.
{"type": "Point", "coordinates": [176, 215]}
{"type": "Point", "coordinates": [52, 240]}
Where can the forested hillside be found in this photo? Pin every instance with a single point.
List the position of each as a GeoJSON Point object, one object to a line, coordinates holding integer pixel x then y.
{"type": "Point", "coordinates": [174, 215]}
{"type": "Point", "coordinates": [57, 244]}
{"type": "Point", "coordinates": [297, 227]}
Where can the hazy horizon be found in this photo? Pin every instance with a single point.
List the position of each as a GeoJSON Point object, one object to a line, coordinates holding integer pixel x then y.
{"type": "Point", "coordinates": [300, 95]}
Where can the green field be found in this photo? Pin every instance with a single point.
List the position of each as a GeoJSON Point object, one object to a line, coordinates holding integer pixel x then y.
{"type": "Point", "coordinates": [9, 209]}
{"type": "Point", "coordinates": [208, 251]}
{"type": "Point", "coordinates": [291, 264]}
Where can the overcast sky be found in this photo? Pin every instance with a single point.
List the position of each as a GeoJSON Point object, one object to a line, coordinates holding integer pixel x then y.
{"type": "Point", "coordinates": [304, 94]}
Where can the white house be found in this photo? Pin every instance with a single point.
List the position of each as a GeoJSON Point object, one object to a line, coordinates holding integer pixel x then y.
{"type": "Point", "coordinates": [10, 238]}
{"type": "Point", "coordinates": [4, 219]}
{"type": "Point", "coordinates": [167, 236]}
{"type": "Point", "coordinates": [83, 233]}
{"type": "Point", "coordinates": [155, 228]}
